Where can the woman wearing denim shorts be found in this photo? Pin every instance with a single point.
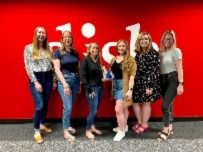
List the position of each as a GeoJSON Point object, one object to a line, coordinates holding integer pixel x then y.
{"type": "Point", "coordinates": [124, 68]}
{"type": "Point", "coordinates": [66, 64]}
{"type": "Point", "coordinates": [171, 80]}
{"type": "Point", "coordinates": [38, 64]}
{"type": "Point", "coordinates": [91, 76]}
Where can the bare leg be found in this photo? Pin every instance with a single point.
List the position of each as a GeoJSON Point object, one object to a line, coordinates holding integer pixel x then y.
{"type": "Point", "coordinates": [138, 112]}
{"type": "Point", "coordinates": [120, 114]}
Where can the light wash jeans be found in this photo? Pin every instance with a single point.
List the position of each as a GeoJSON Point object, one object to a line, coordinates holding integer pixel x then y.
{"type": "Point", "coordinates": [73, 80]}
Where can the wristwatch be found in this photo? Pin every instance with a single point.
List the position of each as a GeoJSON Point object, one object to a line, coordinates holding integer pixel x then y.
{"type": "Point", "coordinates": [182, 83]}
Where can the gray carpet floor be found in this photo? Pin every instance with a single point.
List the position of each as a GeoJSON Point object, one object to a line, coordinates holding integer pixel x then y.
{"type": "Point", "coordinates": [188, 137]}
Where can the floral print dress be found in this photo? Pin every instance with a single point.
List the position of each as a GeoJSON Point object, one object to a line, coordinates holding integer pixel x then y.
{"type": "Point", "coordinates": [147, 77]}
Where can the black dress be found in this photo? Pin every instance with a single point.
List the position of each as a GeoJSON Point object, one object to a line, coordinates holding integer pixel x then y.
{"type": "Point", "coordinates": [147, 77]}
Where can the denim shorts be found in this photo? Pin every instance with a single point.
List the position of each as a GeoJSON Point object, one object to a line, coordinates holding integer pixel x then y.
{"type": "Point", "coordinates": [118, 89]}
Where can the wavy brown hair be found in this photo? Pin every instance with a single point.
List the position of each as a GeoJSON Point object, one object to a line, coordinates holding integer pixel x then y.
{"type": "Point", "coordinates": [98, 57]}
{"type": "Point", "coordinates": [35, 50]}
{"type": "Point", "coordinates": [62, 47]}
{"type": "Point", "coordinates": [126, 61]}
{"type": "Point", "coordinates": [138, 48]}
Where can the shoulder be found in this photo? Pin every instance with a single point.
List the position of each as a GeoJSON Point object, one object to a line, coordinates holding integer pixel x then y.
{"type": "Point", "coordinates": [57, 52]}
{"type": "Point", "coordinates": [28, 48]}
{"type": "Point", "coordinates": [112, 60]}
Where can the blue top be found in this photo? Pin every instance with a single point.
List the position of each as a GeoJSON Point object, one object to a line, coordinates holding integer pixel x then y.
{"type": "Point", "coordinates": [69, 61]}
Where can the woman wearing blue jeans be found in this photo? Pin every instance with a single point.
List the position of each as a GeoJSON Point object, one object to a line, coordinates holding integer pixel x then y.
{"type": "Point", "coordinates": [66, 63]}
{"type": "Point", "coordinates": [38, 64]}
{"type": "Point", "coordinates": [91, 76]}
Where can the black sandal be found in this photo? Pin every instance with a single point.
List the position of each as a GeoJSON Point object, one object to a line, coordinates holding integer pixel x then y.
{"type": "Point", "coordinates": [162, 136]}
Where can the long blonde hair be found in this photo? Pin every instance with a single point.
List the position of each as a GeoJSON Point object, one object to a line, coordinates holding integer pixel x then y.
{"type": "Point", "coordinates": [35, 50]}
{"type": "Point", "coordinates": [126, 61]}
{"type": "Point", "coordinates": [62, 48]}
{"type": "Point", "coordinates": [172, 33]}
{"type": "Point", "coordinates": [98, 57]}
{"type": "Point", "coordinates": [138, 48]}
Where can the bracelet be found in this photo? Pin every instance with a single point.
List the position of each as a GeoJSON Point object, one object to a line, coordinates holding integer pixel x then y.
{"type": "Point", "coordinates": [131, 89]}
{"type": "Point", "coordinates": [182, 83]}
{"type": "Point", "coordinates": [66, 86]}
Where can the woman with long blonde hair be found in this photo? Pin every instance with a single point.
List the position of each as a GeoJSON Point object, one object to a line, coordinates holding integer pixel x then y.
{"type": "Point", "coordinates": [38, 64]}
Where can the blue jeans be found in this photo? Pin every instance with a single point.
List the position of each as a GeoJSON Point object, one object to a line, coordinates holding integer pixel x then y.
{"type": "Point", "coordinates": [94, 104]}
{"type": "Point", "coordinates": [73, 82]}
{"type": "Point", "coordinates": [41, 99]}
{"type": "Point", "coordinates": [118, 89]}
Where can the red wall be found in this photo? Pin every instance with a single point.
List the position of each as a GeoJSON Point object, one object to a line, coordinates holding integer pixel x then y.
{"type": "Point", "coordinates": [19, 19]}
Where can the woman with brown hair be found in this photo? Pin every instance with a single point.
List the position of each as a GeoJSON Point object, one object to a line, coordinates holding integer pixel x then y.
{"type": "Point", "coordinates": [123, 67]}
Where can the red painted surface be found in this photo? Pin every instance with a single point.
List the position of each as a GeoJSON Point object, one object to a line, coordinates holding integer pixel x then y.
{"type": "Point", "coordinates": [19, 19]}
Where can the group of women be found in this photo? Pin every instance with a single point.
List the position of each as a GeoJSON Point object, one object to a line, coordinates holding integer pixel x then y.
{"type": "Point", "coordinates": [136, 81]}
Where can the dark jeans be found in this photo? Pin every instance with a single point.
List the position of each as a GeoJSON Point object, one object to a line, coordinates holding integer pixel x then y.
{"type": "Point", "coordinates": [94, 105]}
{"type": "Point", "coordinates": [169, 84]}
{"type": "Point", "coordinates": [41, 98]}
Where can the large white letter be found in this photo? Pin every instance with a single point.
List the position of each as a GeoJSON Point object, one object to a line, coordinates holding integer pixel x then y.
{"type": "Point", "coordinates": [105, 51]}
{"type": "Point", "coordinates": [134, 29]}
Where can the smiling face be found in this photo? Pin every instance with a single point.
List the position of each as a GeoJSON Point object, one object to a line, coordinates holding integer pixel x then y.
{"type": "Point", "coordinates": [121, 48]}
{"type": "Point", "coordinates": [144, 41]}
{"type": "Point", "coordinates": [168, 40]}
{"type": "Point", "coordinates": [93, 50]}
{"type": "Point", "coordinates": [67, 38]}
{"type": "Point", "coordinates": [41, 34]}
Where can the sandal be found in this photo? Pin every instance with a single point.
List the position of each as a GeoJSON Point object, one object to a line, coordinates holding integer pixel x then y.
{"type": "Point", "coordinates": [162, 136]}
{"type": "Point", "coordinates": [98, 132]}
{"type": "Point", "coordinates": [70, 138]}
{"type": "Point", "coordinates": [71, 130]}
{"type": "Point", "coordinates": [141, 129]}
{"type": "Point", "coordinates": [46, 129]}
{"type": "Point", "coordinates": [38, 139]}
{"type": "Point", "coordinates": [136, 126]}
{"type": "Point", "coordinates": [90, 136]}
{"type": "Point", "coordinates": [170, 133]}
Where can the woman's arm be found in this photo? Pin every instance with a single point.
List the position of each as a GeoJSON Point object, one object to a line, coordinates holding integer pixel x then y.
{"type": "Point", "coordinates": [180, 76]}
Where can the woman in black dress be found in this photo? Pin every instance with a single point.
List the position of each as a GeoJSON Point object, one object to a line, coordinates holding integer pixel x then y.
{"type": "Point", "coordinates": [146, 85]}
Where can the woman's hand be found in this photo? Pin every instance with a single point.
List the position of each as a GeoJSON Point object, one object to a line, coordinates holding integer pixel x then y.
{"type": "Point", "coordinates": [80, 88]}
{"type": "Point", "coordinates": [38, 86]}
{"type": "Point", "coordinates": [91, 95]}
{"type": "Point", "coordinates": [148, 91]}
{"type": "Point", "coordinates": [180, 89]}
{"type": "Point", "coordinates": [67, 91]}
{"type": "Point", "coordinates": [54, 85]}
{"type": "Point", "coordinates": [129, 95]}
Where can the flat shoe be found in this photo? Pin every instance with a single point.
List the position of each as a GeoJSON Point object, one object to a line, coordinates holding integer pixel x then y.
{"type": "Point", "coordinates": [90, 136]}
{"type": "Point", "coordinates": [71, 130]}
{"type": "Point", "coordinates": [98, 132]}
{"type": "Point", "coordinates": [38, 139]}
{"type": "Point", "coordinates": [46, 129]}
{"type": "Point", "coordinates": [70, 138]}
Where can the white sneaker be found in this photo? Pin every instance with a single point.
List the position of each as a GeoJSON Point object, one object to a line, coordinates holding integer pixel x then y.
{"type": "Point", "coordinates": [119, 135]}
{"type": "Point", "coordinates": [116, 129]}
